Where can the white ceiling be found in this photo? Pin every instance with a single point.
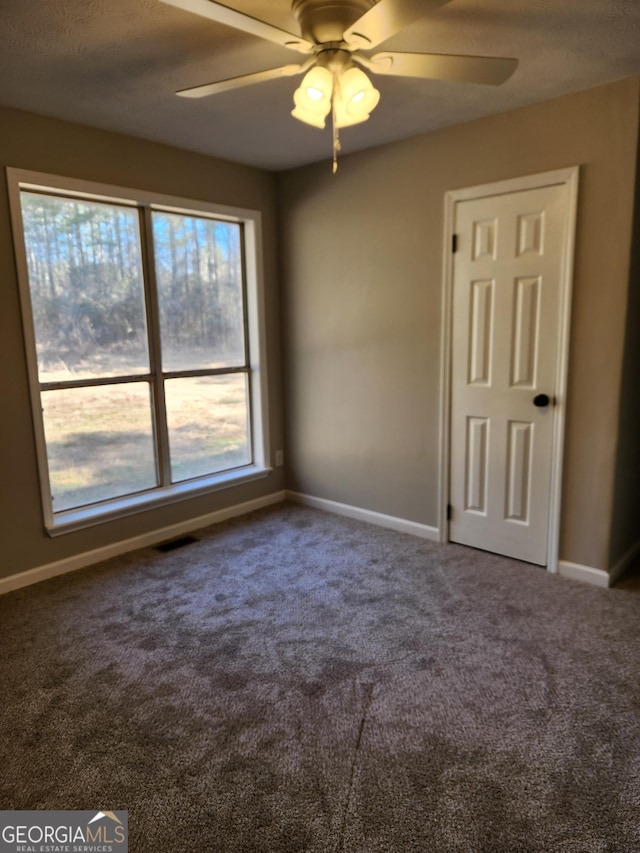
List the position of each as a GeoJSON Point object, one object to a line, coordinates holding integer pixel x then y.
{"type": "Point", "coordinates": [116, 64]}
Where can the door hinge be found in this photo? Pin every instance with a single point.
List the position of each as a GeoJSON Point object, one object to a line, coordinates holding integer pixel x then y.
{"type": "Point", "coordinates": [454, 243]}
{"type": "Point", "coordinates": [449, 512]}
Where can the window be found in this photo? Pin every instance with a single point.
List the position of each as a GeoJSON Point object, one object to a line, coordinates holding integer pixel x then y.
{"type": "Point", "coordinates": [142, 321]}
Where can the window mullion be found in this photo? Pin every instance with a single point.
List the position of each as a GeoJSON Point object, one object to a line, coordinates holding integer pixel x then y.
{"type": "Point", "coordinates": [96, 381]}
{"type": "Point", "coordinates": [205, 371]}
{"type": "Point", "coordinates": [247, 344]}
{"type": "Point", "coordinates": [245, 301]}
{"type": "Point", "coordinates": [155, 348]}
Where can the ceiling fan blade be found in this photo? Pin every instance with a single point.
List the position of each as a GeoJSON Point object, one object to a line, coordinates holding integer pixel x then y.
{"type": "Point", "coordinates": [385, 19]}
{"type": "Point", "coordinates": [244, 80]}
{"type": "Point", "coordinates": [492, 70]}
{"type": "Point", "coordinates": [232, 18]}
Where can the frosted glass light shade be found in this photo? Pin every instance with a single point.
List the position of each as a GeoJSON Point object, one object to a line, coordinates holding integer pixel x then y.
{"type": "Point", "coordinates": [313, 98]}
{"type": "Point", "coordinates": [355, 98]}
{"type": "Point", "coordinates": [352, 94]}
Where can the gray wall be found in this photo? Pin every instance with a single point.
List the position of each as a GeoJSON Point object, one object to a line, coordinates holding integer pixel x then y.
{"type": "Point", "coordinates": [47, 145]}
{"type": "Point", "coordinates": [362, 267]}
{"type": "Point", "coordinates": [625, 534]}
{"type": "Point", "coordinates": [362, 254]}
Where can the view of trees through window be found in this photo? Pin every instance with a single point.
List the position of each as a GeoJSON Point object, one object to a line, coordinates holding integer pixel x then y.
{"type": "Point", "coordinates": [106, 401]}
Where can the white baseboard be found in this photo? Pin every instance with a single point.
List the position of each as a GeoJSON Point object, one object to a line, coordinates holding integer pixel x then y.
{"type": "Point", "coordinates": [598, 577]}
{"type": "Point", "coordinates": [402, 525]}
{"type": "Point", "coordinates": [620, 566]}
{"type": "Point", "coordinates": [586, 574]}
{"type": "Point", "coordinates": [88, 558]}
{"type": "Point", "coordinates": [575, 571]}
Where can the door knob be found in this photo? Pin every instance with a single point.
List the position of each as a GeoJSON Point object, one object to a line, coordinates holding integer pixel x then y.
{"type": "Point", "coordinates": [541, 400]}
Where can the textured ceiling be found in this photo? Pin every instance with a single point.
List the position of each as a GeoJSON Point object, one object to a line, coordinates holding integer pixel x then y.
{"type": "Point", "coordinates": [116, 64]}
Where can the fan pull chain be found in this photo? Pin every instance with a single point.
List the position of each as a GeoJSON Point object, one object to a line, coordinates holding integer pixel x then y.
{"type": "Point", "coordinates": [336, 143]}
{"type": "Point", "coordinates": [334, 123]}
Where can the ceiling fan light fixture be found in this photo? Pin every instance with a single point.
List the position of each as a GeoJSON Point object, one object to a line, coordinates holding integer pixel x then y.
{"type": "Point", "coordinates": [312, 98]}
{"type": "Point", "coordinates": [334, 34]}
{"type": "Point", "coordinates": [354, 98]}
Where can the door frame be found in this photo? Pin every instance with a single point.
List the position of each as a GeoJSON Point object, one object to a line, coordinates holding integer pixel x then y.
{"type": "Point", "coordinates": [568, 177]}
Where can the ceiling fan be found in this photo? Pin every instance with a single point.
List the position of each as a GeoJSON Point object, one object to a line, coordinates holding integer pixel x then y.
{"type": "Point", "coordinates": [337, 35]}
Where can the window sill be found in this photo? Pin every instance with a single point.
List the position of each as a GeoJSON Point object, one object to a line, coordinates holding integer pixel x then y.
{"type": "Point", "coordinates": [71, 520]}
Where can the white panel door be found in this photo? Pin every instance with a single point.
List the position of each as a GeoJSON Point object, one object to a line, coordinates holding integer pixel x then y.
{"type": "Point", "coordinates": [506, 321]}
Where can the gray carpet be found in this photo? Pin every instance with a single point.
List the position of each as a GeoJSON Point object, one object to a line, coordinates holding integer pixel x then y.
{"type": "Point", "coordinates": [296, 681]}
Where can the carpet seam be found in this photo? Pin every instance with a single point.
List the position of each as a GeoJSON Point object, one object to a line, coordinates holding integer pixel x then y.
{"type": "Point", "coordinates": [339, 848]}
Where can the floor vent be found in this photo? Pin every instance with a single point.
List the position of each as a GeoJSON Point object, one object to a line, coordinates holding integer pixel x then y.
{"type": "Point", "coordinates": [176, 543]}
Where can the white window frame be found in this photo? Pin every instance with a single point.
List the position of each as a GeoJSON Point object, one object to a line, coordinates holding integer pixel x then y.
{"type": "Point", "coordinates": [56, 523]}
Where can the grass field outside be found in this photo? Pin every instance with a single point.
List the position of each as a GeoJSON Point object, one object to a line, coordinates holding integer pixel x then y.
{"type": "Point", "coordinates": [100, 438]}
